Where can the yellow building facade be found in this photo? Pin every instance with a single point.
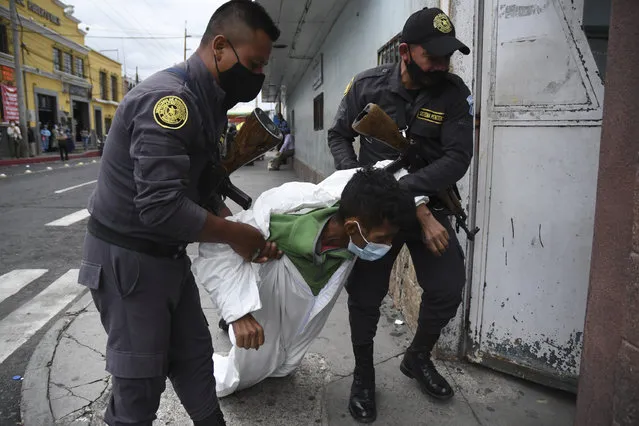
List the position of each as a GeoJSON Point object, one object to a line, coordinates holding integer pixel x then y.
{"type": "Point", "coordinates": [65, 81]}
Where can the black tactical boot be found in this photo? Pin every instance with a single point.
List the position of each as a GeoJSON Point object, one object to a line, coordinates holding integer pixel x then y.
{"type": "Point", "coordinates": [418, 365]}
{"type": "Point", "coordinates": [362, 400]}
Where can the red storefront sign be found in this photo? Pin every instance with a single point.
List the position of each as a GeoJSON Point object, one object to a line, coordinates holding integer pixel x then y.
{"type": "Point", "coordinates": [7, 74]}
{"type": "Point", "coordinates": [10, 103]}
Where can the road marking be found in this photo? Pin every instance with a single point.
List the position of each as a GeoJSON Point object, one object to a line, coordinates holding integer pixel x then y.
{"type": "Point", "coordinates": [71, 188]}
{"type": "Point", "coordinates": [24, 322]}
{"type": "Point", "coordinates": [70, 219]}
{"type": "Point", "coordinates": [12, 282]}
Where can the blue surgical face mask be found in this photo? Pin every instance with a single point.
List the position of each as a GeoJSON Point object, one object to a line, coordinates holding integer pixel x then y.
{"type": "Point", "coordinates": [371, 252]}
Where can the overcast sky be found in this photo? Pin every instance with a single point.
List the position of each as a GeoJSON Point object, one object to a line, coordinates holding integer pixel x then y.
{"type": "Point", "coordinates": [124, 20]}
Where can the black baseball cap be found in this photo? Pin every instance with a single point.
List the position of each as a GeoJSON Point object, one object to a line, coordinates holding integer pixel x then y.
{"type": "Point", "coordinates": [432, 29]}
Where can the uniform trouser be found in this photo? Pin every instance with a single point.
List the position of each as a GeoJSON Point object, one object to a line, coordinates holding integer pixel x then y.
{"type": "Point", "coordinates": [441, 278]}
{"type": "Point", "coordinates": [150, 308]}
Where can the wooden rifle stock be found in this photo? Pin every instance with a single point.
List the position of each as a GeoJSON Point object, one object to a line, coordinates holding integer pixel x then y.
{"type": "Point", "coordinates": [257, 136]}
{"type": "Point", "coordinates": [374, 123]}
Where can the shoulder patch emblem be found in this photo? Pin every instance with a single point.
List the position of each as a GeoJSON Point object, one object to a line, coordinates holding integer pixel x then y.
{"type": "Point", "coordinates": [348, 87]}
{"type": "Point", "coordinates": [442, 23]}
{"type": "Point", "coordinates": [171, 112]}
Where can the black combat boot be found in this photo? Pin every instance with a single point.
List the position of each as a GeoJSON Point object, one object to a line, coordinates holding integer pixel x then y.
{"type": "Point", "coordinates": [362, 400]}
{"type": "Point", "coordinates": [418, 365]}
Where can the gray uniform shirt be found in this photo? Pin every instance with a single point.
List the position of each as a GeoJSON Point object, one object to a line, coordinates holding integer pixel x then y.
{"type": "Point", "coordinates": [156, 152]}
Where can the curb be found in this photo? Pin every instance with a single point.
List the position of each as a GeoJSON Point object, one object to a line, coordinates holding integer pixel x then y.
{"type": "Point", "coordinates": [46, 159]}
{"type": "Point", "coordinates": [35, 408]}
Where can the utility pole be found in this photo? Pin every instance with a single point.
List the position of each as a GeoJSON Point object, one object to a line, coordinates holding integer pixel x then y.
{"type": "Point", "coordinates": [137, 76]}
{"type": "Point", "coordinates": [185, 37]}
{"type": "Point", "coordinates": [17, 71]}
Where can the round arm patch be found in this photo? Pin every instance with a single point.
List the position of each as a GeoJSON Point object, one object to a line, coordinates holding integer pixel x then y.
{"type": "Point", "coordinates": [171, 112]}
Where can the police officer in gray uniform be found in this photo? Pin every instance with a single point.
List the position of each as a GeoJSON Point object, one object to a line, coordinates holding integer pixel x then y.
{"type": "Point", "coordinates": [434, 107]}
{"type": "Point", "coordinates": [148, 206]}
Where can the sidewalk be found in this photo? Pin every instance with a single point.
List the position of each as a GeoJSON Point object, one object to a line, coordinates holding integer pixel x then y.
{"type": "Point", "coordinates": [65, 382]}
{"type": "Point", "coordinates": [47, 157]}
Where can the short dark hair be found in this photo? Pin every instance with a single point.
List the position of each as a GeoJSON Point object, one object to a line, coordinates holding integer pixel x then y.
{"type": "Point", "coordinates": [375, 196]}
{"type": "Point", "coordinates": [236, 12]}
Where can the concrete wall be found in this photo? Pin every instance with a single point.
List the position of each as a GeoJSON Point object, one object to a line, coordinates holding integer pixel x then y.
{"type": "Point", "coordinates": [608, 391]}
{"type": "Point", "coordinates": [351, 47]}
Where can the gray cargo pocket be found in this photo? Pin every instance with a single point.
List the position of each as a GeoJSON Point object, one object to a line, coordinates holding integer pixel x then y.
{"type": "Point", "coordinates": [89, 275]}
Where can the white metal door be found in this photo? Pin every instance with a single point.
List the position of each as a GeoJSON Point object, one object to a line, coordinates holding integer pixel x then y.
{"type": "Point", "coordinates": [538, 160]}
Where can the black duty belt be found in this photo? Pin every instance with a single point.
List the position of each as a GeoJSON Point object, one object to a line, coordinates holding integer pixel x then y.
{"type": "Point", "coordinates": [140, 245]}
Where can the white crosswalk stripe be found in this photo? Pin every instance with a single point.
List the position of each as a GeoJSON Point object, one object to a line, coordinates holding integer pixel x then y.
{"type": "Point", "coordinates": [70, 219]}
{"type": "Point", "coordinates": [13, 281]}
{"type": "Point", "coordinates": [21, 324]}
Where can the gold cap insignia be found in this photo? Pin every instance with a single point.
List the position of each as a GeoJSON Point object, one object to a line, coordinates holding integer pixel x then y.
{"type": "Point", "coordinates": [170, 112]}
{"type": "Point", "coordinates": [442, 23]}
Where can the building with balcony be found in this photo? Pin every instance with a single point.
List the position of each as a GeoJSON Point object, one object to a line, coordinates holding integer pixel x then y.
{"type": "Point", "coordinates": [66, 82]}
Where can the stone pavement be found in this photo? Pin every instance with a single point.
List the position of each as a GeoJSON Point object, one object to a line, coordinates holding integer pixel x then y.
{"type": "Point", "coordinates": [65, 382]}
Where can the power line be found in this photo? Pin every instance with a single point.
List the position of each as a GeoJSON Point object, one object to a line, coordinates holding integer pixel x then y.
{"type": "Point", "coordinates": [126, 16]}
{"type": "Point", "coordinates": [108, 15]}
{"type": "Point", "coordinates": [150, 37]}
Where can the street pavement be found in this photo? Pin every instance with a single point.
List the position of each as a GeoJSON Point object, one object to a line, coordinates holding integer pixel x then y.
{"type": "Point", "coordinates": [38, 263]}
{"type": "Point", "coordinates": [50, 333]}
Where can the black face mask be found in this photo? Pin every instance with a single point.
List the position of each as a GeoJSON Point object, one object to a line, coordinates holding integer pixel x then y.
{"type": "Point", "coordinates": [424, 78]}
{"type": "Point", "coordinates": [239, 83]}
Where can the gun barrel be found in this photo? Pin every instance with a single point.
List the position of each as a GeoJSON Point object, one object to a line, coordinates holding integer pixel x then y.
{"type": "Point", "coordinates": [257, 135]}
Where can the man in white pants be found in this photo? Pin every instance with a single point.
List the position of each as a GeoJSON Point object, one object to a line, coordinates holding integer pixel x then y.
{"type": "Point", "coordinates": [281, 306]}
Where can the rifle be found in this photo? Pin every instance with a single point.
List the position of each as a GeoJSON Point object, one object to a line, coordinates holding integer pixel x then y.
{"type": "Point", "coordinates": [374, 123]}
{"type": "Point", "coordinates": [257, 136]}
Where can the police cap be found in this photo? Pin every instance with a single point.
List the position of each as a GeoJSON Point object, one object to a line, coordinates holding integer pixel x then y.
{"type": "Point", "coordinates": [433, 30]}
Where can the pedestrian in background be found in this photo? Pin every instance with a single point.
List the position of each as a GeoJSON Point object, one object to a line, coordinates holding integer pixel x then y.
{"type": "Point", "coordinates": [84, 134]}
{"type": "Point", "coordinates": [63, 145]}
{"type": "Point", "coordinates": [45, 133]}
{"type": "Point", "coordinates": [286, 151]}
{"type": "Point", "coordinates": [15, 138]}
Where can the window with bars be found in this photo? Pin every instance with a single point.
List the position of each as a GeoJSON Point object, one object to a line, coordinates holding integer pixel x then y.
{"type": "Point", "coordinates": [389, 53]}
{"type": "Point", "coordinates": [79, 67]}
{"type": "Point", "coordinates": [114, 88]}
{"type": "Point", "coordinates": [4, 39]}
{"type": "Point", "coordinates": [104, 93]}
{"type": "Point", "coordinates": [318, 112]}
{"type": "Point", "coordinates": [67, 63]}
{"type": "Point", "coordinates": [57, 59]}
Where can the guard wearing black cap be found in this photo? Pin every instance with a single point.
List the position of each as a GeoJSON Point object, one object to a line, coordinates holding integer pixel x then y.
{"type": "Point", "coordinates": [434, 107]}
